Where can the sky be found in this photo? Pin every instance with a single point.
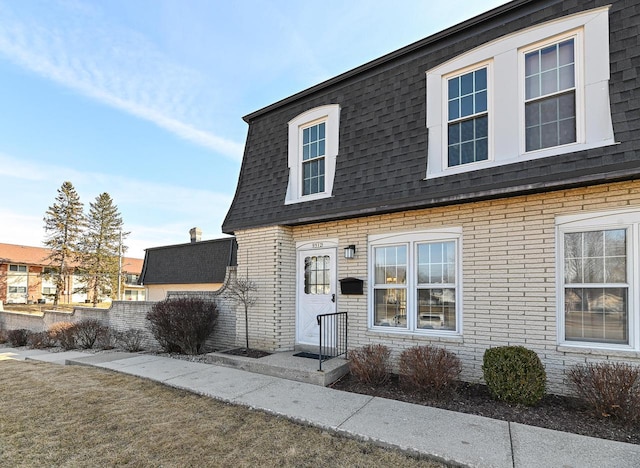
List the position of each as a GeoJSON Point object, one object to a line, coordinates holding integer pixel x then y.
{"type": "Point", "coordinates": [144, 99]}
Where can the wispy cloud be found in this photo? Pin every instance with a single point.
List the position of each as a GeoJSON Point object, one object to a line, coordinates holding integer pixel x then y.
{"type": "Point", "coordinates": [156, 214]}
{"type": "Point", "coordinates": [113, 65]}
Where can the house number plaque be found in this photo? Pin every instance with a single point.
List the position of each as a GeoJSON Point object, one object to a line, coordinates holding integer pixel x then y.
{"type": "Point", "coordinates": [317, 245]}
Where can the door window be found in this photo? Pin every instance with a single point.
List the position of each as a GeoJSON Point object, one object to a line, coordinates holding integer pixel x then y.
{"type": "Point", "coordinates": [317, 275]}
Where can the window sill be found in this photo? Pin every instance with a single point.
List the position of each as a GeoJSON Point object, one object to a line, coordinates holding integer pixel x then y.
{"type": "Point", "coordinates": [451, 337]}
{"type": "Point", "coordinates": [544, 153]}
{"type": "Point", "coordinates": [582, 349]}
{"type": "Point", "coordinates": [308, 198]}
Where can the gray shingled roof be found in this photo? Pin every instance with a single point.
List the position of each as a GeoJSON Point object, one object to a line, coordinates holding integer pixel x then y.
{"type": "Point", "coordinates": [198, 262]}
{"type": "Point", "coordinates": [382, 157]}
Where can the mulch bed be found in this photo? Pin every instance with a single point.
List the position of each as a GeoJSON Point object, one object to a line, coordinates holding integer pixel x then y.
{"type": "Point", "coordinates": [553, 412]}
{"type": "Point", "coordinates": [246, 352]}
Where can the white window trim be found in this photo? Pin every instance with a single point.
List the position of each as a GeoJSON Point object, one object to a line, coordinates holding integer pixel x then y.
{"type": "Point", "coordinates": [596, 221]}
{"type": "Point", "coordinates": [578, 37]}
{"type": "Point", "coordinates": [330, 114]}
{"type": "Point", "coordinates": [507, 119]}
{"type": "Point", "coordinates": [410, 239]}
{"type": "Point", "coordinates": [445, 112]}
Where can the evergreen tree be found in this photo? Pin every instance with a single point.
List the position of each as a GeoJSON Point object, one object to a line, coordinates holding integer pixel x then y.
{"type": "Point", "coordinates": [63, 224]}
{"type": "Point", "coordinates": [102, 247]}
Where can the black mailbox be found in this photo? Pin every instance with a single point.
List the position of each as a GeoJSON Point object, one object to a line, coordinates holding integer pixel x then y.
{"type": "Point", "coordinates": [351, 286]}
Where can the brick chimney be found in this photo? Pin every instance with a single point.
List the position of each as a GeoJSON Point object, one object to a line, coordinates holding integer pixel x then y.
{"type": "Point", "coordinates": [196, 234]}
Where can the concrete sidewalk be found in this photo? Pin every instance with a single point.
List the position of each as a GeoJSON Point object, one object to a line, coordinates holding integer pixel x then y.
{"type": "Point", "coordinates": [449, 436]}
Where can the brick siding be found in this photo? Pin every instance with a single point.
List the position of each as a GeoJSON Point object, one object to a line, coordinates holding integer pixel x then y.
{"type": "Point", "coordinates": [509, 277]}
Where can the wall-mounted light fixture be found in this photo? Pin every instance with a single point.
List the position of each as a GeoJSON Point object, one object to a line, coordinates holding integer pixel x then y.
{"type": "Point", "coordinates": [350, 251]}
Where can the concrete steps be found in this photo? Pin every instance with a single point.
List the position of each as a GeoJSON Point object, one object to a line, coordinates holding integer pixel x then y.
{"type": "Point", "coordinates": [285, 365]}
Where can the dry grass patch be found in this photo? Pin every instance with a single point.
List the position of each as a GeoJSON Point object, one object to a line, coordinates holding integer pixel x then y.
{"type": "Point", "coordinates": [40, 308]}
{"type": "Point", "coordinates": [70, 416]}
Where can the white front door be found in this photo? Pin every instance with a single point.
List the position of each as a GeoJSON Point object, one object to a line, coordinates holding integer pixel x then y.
{"type": "Point", "coordinates": [316, 278]}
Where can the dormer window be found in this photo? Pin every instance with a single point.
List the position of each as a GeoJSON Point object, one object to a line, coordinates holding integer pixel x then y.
{"type": "Point", "coordinates": [550, 96]}
{"type": "Point", "coordinates": [539, 92]}
{"type": "Point", "coordinates": [468, 120]}
{"type": "Point", "coordinates": [313, 148]}
{"type": "Point", "coordinates": [313, 151]}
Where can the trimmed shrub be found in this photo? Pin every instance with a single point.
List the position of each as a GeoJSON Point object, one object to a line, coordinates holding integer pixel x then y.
{"type": "Point", "coordinates": [611, 389]}
{"type": "Point", "coordinates": [64, 334]}
{"type": "Point", "coordinates": [40, 340]}
{"type": "Point", "coordinates": [514, 374]}
{"type": "Point", "coordinates": [430, 369]}
{"type": "Point", "coordinates": [131, 339]}
{"type": "Point", "coordinates": [184, 324]}
{"type": "Point", "coordinates": [370, 364]}
{"type": "Point", "coordinates": [18, 337]}
{"type": "Point", "coordinates": [87, 332]}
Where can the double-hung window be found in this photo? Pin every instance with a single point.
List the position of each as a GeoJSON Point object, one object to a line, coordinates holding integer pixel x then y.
{"type": "Point", "coordinates": [597, 271]}
{"type": "Point", "coordinates": [539, 92]}
{"type": "Point", "coordinates": [550, 95]}
{"type": "Point", "coordinates": [313, 153]}
{"type": "Point", "coordinates": [415, 282]}
{"type": "Point", "coordinates": [18, 268]}
{"type": "Point", "coordinates": [313, 150]}
{"type": "Point", "coordinates": [467, 118]}
{"type": "Point", "coordinates": [390, 285]}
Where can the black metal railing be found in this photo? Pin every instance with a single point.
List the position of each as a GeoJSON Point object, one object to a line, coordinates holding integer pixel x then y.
{"type": "Point", "coordinates": [333, 336]}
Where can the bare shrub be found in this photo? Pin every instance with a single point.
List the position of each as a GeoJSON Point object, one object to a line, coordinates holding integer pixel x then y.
{"type": "Point", "coordinates": [64, 334]}
{"type": "Point", "coordinates": [3, 335]}
{"type": "Point", "coordinates": [87, 332]}
{"type": "Point", "coordinates": [611, 389]}
{"type": "Point", "coordinates": [40, 340]}
{"type": "Point", "coordinates": [370, 364]}
{"type": "Point", "coordinates": [430, 369]}
{"type": "Point", "coordinates": [131, 339]}
{"type": "Point", "coordinates": [18, 337]}
{"type": "Point", "coordinates": [184, 324]}
{"type": "Point", "coordinates": [107, 338]}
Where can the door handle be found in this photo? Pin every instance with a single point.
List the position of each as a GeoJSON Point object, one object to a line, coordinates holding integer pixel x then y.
{"type": "Point", "coordinates": [333, 298]}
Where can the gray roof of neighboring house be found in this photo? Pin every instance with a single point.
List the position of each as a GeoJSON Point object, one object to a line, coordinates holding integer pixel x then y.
{"type": "Point", "coordinates": [196, 262]}
{"type": "Point", "coordinates": [382, 158]}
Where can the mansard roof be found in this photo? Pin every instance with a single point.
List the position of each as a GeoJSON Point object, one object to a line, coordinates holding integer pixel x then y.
{"type": "Point", "coordinates": [382, 159]}
{"type": "Point", "coordinates": [192, 263]}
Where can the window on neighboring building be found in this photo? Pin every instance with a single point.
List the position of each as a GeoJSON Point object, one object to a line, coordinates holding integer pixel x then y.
{"type": "Point", "coordinates": [415, 281]}
{"type": "Point", "coordinates": [19, 268]}
{"type": "Point", "coordinates": [597, 268]}
{"type": "Point", "coordinates": [48, 290]}
{"type": "Point", "coordinates": [17, 290]}
{"type": "Point", "coordinates": [313, 149]}
{"type": "Point", "coordinates": [550, 96]}
{"type": "Point", "coordinates": [131, 279]}
{"type": "Point", "coordinates": [539, 92]}
{"type": "Point", "coordinates": [468, 119]}
{"type": "Point", "coordinates": [133, 295]}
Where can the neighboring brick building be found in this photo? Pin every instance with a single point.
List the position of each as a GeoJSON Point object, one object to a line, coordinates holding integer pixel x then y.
{"type": "Point", "coordinates": [488, 177]}
{"type": "Point", "coordinates": [23, 279]}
